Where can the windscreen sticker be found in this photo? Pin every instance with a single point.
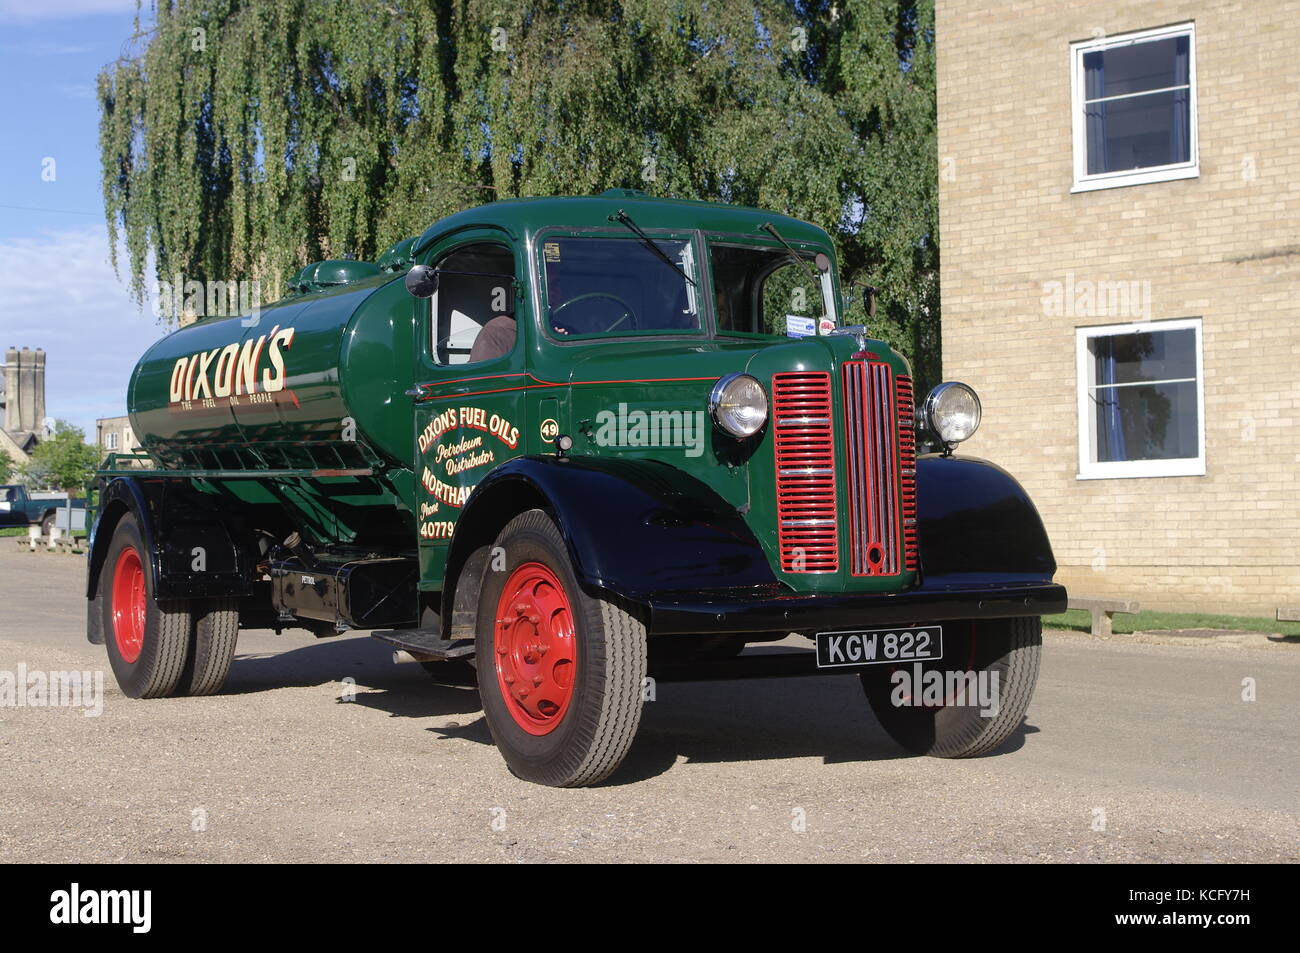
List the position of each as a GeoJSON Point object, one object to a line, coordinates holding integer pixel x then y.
{"type": "Point", "coordinates": [825, 326]}
{"type": "Point", "coordinates": [798, 326]}
{"type": "Point", "coordinates": [551, 251]}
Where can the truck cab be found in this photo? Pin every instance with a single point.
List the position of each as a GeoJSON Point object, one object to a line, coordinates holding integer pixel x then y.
{"type": "Point", "coordinates": [566, 446]}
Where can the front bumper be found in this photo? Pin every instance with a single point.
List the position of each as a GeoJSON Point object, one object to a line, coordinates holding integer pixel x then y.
{"type": "Point", "coordinates": [768, 611]}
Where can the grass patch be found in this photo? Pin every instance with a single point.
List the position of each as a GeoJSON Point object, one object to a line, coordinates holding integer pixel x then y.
{"type": "Point", "coordinates": [1081, 621]}
{"type": "Point", "coordinates": [14, 531]}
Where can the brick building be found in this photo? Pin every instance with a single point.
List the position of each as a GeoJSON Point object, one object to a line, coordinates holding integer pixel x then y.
{"type": "Point", "coordinates": [114, 434]}
{"type": "Point", "coordinates": [1120, 223]}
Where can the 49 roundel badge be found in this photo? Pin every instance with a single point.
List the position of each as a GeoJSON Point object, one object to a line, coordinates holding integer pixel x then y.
{"type": "Point", "coordinates": [550, 429]}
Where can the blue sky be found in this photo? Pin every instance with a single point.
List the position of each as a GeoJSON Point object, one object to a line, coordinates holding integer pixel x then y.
{"type": "Point", "coordinates": [60, 292]}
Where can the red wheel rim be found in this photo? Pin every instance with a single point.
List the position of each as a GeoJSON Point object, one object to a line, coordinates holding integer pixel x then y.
{"type": "Point", "coordinates": [128, 605]}
{"type": "Point", "coordinates": [536, 649]}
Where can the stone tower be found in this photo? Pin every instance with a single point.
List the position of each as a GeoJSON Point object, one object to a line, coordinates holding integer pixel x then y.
{"type": "Point", "coordinates": [24, 390]}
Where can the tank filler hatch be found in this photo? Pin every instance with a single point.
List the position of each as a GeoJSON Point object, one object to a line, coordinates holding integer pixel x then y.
{"type": "Point", "coordinates": [322, 275]}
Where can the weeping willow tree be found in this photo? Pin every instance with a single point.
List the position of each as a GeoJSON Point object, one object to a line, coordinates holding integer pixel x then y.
{"type": "Point", "coordinates": [243, 139]}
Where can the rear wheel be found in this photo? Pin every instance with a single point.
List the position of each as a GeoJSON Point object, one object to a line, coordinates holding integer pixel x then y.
{"type": "Point", "coordinates": [561, 673]}
{"type": "Point", "coordinates": [970, 701]}
{"type": "Point", "coordinates": [47, 525]}
{"type": "Point", "coordinates": [147, 640]}
{"type": "Point", "coordinates": [216, 630]}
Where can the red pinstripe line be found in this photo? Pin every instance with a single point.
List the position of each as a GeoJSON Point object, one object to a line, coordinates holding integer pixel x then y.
{"type": "Point", "coordinates": [542, 383]}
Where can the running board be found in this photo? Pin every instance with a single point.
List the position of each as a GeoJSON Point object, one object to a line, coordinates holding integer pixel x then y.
{"type": "Point", "coordinates": [424, 645]}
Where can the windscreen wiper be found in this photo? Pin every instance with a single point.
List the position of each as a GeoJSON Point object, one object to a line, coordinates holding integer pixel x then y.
{"type": "Point", "coordinates": [626, 220]}
{"type": "Point", "coordinates": [771, 230]}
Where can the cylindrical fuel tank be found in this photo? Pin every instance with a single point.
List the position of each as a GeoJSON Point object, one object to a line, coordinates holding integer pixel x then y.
{"type": "Point", "coordinates": [307, 382]}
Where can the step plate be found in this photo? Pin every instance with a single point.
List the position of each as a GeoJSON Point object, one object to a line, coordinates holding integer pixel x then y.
{"type": "Point", "coordinates": [426, 644]}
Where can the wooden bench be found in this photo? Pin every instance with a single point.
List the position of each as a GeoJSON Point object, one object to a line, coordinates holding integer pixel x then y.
{"type": "Point", "coordinates": [64, 544]}
{"type": "Point", "coordinates": [1102, 610]}
{"type": "Point", "coordinates": [1288, 614]}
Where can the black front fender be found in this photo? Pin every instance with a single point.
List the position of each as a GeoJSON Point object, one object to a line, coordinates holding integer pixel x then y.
{"type": "Point", "coordinates": [977, 525]}
{"type": "Point", "coordinates": [633, 527]}
{"type": "Point", "coordinates": [675, 540]}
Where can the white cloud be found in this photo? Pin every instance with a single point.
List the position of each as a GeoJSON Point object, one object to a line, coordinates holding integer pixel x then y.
{"type": "Point", "coordinates": [58, 292]}
{"type": "Point", "coordinates": [63, 9]}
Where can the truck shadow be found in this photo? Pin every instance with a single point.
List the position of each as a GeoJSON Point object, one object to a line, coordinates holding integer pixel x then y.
{"type": "Point", "coordinates": [696, 722]}
{"type": "Point", "coordinates": [404, 691]}
{"type": "Point", "coordinates": [762, 719]}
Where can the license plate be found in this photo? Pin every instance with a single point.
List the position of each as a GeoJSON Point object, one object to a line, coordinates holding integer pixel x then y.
{"type": "Point", "coordinates": [853, 648]}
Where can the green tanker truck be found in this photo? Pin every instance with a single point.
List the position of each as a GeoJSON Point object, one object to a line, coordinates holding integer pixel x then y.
{"type": "Point", "coordinates": [569, 446]}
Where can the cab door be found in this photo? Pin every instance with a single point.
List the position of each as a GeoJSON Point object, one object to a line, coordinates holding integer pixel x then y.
{"type": "Point", "coordinates": [11, 507]}
{"type": "Point", "coordinates": [470, 375]}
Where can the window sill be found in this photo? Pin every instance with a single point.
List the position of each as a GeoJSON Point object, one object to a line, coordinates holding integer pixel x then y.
{"type": "Point", "coordinates": [1142, 468]}
{"type": "Point", "coordinates": [1139, 177]}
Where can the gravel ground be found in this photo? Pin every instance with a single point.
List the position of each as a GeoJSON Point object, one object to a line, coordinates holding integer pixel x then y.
{"type": "Point", "coordinates": [1134, 750]}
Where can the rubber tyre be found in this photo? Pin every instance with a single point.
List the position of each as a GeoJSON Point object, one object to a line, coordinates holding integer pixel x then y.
{"type": "Point", "coordinates": [212, 647]}
{"type": "Point", "coordinates": [595, 731]}
{"type": "Point", "coordinates": [1008, 647]}
{"type": "Point", "coordinates": [47, 525]}
{"type": "Point", "coordinates": [156, 671]}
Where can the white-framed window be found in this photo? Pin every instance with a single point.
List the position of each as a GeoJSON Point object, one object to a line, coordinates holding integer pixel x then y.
{"type": "Point", "coordinates": [1134, 108]}
{"type": "Point", "coordinates": [1141, 400]}
{"type": "Point", "coordinates": [110, 440]}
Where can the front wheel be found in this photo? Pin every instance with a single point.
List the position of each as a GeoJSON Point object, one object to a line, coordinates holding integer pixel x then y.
{"type": "Point", "coordinates": [561, 673]}
{"type": "Point", "coordinates": [970, 701]}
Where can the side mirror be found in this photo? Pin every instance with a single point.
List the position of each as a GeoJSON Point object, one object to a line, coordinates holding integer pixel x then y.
{"type": "Point", "coordinates": [869, 300]}
{"type": "Point", "coordinates": [422, 281]}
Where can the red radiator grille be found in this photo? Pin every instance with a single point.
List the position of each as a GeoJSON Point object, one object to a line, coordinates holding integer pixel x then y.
{"type": "Point", "coordinates": [807, 531]}
{"type": "Point", "coordinates": [907, 468]}
{"type": "Point", "coordinates": [872, 440]}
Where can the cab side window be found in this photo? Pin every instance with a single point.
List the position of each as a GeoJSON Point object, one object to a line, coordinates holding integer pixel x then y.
{"type": "Point", "coordinates": [759, 290]}
{"type": "Point", "coordinates": [474, 308]}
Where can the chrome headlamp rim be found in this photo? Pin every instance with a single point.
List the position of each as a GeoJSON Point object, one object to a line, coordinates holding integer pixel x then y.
{"type": "Point", "coordinates": [928, 407]}
{"type": "Point", "coordinates": [718, 392]}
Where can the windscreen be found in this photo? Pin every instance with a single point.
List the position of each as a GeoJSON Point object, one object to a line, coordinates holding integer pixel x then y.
{"type": "Point", "coordinates": [619, 286]}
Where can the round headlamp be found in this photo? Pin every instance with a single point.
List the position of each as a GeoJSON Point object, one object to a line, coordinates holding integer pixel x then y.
{"type": "Point", "coordinates": [952, 410]}
{"type": "Point", "coordinates": [738, 405]}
